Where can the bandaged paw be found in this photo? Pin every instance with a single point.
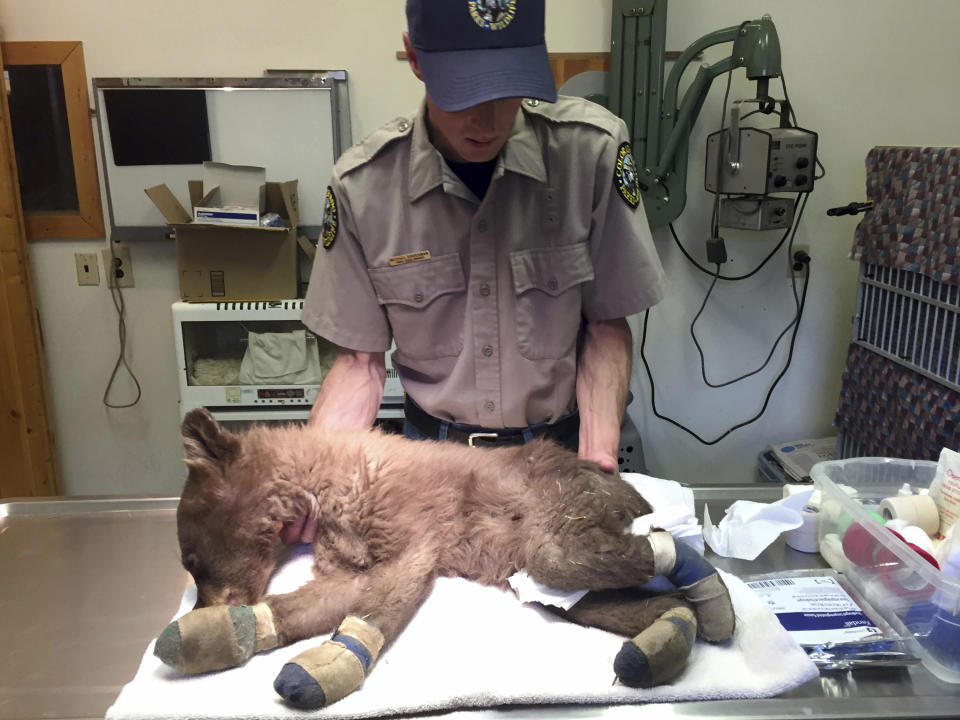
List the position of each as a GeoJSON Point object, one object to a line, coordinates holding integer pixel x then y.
{"type": "Point", "coordinates": [331, 671]}
{"type": "Point", "coordinates": [217, 637]}
{"type": "Point", "coordinates": [699, 582]}
{"type": "Point", "coordinates": [659, 653]}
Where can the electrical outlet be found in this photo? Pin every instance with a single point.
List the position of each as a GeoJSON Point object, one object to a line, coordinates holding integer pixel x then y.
{"type": "Point", "coordinates": [88, 271]}
{"type": "Point", "coordinates": [790, 271]}
{"type": "Point", "coordinates": [118, 268]}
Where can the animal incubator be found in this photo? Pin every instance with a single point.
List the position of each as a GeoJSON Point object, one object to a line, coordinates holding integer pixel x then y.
{"type": "Point", "coordinates": [255, 361]}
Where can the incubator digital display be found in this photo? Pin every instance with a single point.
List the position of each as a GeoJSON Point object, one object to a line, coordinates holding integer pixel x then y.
{"type": "Point", "coordinates": [279, 393]}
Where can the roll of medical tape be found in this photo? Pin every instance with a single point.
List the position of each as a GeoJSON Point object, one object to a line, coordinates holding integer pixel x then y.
{"type": "Point", "coordinates": [916, 536]}
{"type": "Point", "coordinates": [919, 510]}
{"type": "Point", "coordinates": [945, 637]}
{"type": "Point", "coordinates": [804, 538]}
{"type": "Point", "coordinates": [859, 544]}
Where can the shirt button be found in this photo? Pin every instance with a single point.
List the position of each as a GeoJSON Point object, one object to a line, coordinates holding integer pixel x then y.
{"type": "Point", "coordinates": [418, 297]}
{"type": "Point", "coordinates": [487, 350]}
{"type": "Point", "coordinates": [489, 406]}
{"type": "Point", "coordinates": [551, 283]}
{"type": "Point", "coordinates": [403, 125]}
{"type": "Point", "coordinates": [484, 289]}
{"type": "Point", "coordinates": [482, 226]}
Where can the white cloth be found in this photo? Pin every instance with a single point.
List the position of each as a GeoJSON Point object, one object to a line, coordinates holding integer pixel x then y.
{"type": "Point", "coordinates": [749, 527]}
{"type": "Point", "coordinates": [471, 646]}
{"type": "Point", "coordinates": [280, 358]}
{"type": "Point", "coordinates": [673, 509]}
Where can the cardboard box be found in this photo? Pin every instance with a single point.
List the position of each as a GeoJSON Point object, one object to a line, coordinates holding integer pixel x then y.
{"type": "Point", "coordinates": [232, 194]}
{"type": "Point", "coordinates": [218, 262]}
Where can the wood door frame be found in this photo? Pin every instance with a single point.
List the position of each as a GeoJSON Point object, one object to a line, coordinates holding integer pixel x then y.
{"type": "Point", "coordinates": [28, 460]}
{"type": "Point", "coordinates": [87, 221]}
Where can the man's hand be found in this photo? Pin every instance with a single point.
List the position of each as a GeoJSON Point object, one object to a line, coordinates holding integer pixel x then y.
{"type": "Point", "coordinates": [606, 461]}
{"type": "Point", "coordinates": [301, 530]}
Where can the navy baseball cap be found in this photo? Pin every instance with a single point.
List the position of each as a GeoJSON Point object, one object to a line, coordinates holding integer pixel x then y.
{"type": "Point", "coordinates": [472, 51]}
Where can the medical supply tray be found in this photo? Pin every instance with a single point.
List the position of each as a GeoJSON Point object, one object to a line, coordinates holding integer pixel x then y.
{"type": "Point", "coordinates": [912, 595]}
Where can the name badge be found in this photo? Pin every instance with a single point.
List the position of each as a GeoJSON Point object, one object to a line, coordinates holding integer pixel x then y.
{"type": "Point", "coordinates": [409, 258]}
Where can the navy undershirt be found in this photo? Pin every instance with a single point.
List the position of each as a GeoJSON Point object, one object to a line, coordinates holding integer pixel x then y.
{"type": "Point", "coordinates": [476, 176]}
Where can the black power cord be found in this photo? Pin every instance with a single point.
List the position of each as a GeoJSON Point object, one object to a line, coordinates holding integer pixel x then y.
{"type": "Point", "coordinates": [119, 304]}
{"type": "Point", "coordinates": [716, 254]}
{"type": "Point", "coordinates": [804, 259]}
{"type": "Point", "coordinates": [796, 301]}
{"type": "Point", "coordinates": [793, 117]}
{"type": "Point", "coordinates": [798, 212]}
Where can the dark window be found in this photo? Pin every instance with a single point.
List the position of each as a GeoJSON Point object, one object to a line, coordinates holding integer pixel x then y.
{"type": "Point", "coordinates": [41, 139]}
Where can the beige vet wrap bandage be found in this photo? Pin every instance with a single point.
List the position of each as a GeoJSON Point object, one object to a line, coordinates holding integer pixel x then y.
{"type": "Point", "coordinates": [366, 633]}
{"type": "Point", "coordinates": [684, 613]}
{"type": "Point", "coordinates": [664, 552]}
{"type": "Point", "coordinates": [714, 608]}
{"type": "Point", "coordinates": [208, 641]}
{"type": "Point", "coordinates": [337, 670]}
{"type": "Point", "coordinates": [266, 630]}
{"type": "Point", "coordinates": [666, 645]}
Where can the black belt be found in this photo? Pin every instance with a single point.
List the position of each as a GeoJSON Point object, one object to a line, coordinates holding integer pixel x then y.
{"type": "Point", "coordinates": [565, 431]}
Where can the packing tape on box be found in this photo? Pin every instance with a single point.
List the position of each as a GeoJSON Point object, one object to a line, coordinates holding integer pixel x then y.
{"type": "Point", "coordinates": [919, 510]}
{"type": "Point", "coordinates": [804, 538]}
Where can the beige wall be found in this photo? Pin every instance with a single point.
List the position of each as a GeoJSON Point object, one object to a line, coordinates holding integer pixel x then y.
{"type": "Point", "coordinates": [860, 72]}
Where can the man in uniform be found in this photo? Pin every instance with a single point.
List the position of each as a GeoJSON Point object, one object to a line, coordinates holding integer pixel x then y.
{"type": "Point", "coordinates": [497, 237]}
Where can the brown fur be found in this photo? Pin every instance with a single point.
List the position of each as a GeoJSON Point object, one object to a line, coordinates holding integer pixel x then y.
{"type": "Point", "coordinates": [394, 514]}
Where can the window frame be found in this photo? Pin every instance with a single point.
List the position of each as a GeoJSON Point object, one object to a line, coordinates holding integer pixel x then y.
{"type": "Point", "coordinates": [87, 221]}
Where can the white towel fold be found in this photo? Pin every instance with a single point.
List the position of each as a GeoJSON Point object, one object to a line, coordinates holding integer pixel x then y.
{"type": "Point", "coordinates": [471, 646]}
{"type": "Point", "coordinates": [280, 358]}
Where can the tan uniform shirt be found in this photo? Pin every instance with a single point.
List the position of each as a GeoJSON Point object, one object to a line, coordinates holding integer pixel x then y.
{"type": "Point", "coordinates": [484, 298]}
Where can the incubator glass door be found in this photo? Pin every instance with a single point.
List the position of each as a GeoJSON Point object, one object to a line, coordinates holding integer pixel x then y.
{"type": "Point", "coordinates": [254, 352]}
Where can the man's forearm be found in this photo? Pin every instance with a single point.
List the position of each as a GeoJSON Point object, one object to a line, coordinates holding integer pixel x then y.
{"type": "Point", "coordinates": [603, 383]}
{"type": "Point", "coordinates": [350, 394]}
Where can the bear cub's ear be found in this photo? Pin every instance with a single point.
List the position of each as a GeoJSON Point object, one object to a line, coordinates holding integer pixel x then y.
{"type": "Point", "coordinates": [205, 441]}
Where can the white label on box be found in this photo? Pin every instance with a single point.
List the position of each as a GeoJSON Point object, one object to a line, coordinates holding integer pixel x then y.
{"type": "Point", "coordinates": [814, 610]}
{"type": "Point", "coordinates": [227, 216]}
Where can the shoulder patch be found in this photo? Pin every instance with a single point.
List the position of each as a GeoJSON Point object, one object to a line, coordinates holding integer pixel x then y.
{"type": "Point", "coordinates": [368, 148]}
{"type": "Point", "coordinates": [575, 110]}
{"type": "Point", "coordinates": [625, 176]}
{"type": "Point", "coordinates": [331, 221]}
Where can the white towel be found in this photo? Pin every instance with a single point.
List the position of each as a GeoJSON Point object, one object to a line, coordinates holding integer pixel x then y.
{"type": "Point", "coordinates": [280, 358]}
{"type": "Point", "coordinates": [471, 646]}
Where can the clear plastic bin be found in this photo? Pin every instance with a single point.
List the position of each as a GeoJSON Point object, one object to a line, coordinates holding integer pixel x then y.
{"type": "Point", "coordinates": [913, 596]}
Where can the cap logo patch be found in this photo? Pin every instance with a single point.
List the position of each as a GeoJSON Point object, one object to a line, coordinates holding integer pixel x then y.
{"type": "Point", "coordinates": [328, 232]}
{"type": "Point", "coordinates": [492, 14]}
{"type": "Point", "coordinates": [625, 176]}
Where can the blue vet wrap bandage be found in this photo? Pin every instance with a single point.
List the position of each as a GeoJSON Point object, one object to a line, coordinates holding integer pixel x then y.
{"type": "Point", "coordinates": [690, 567]}
{"type": "Point", "coordinates": [632, 666]}
{"type": "Point", "coordinates": [357, 648]}
{"type": "Point", "coordinates": [688, 631]}
{"type": "Point", "coordinates": [299, 688]}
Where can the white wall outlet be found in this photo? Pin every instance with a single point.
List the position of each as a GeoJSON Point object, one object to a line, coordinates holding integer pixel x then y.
{"type": "Point", "coordinates": [117, 266]}
{"type": "Point", "coordinates": [88, 269]}
{"type": "Point", "coordinates": [791, 272]}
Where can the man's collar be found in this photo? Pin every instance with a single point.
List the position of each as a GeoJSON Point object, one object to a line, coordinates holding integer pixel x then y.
{"type": "Point", "coordinates": [426, 163]}
{"type": "Point", "coordinates": [521, 154]}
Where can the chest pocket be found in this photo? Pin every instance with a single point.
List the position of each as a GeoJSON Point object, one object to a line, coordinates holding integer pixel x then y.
{"type": "Point", "coordinates": [425, 303]}
{"type": "Point", "coordinates": [548, 284]}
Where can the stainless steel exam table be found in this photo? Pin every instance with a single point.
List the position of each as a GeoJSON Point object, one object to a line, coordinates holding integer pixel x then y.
{"type": "Point", "coordinates": [86, 583]}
